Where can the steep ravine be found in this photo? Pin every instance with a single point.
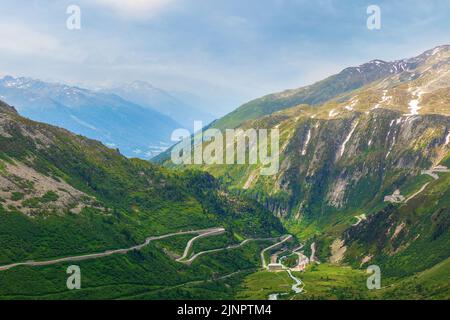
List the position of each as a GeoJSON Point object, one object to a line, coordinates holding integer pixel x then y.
{"type": "Point", "coordinates": [350, 163]}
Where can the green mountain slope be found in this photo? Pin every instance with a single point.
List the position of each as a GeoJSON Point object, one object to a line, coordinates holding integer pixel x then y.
{"type": "Point", "coordinates": [364, 175]}
{"type": "Point", "coordinates": [363, 180]}
{"type": "Point", "coordinates": [64, 195]}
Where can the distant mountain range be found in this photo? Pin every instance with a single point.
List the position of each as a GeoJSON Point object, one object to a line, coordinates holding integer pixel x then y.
{"type": "Point", "coordinates": [66, 195]}
{"type": "Point", "coordinates": [363, 181]}
{"type": "Point", "coordinates": [146, 95]}
{"type": "Point", "coordinates": [140, 126]}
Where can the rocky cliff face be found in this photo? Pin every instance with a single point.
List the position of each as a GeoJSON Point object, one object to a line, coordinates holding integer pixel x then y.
{"type": "Point", "coordinates": [7, 108]}
{"type": "Point", "coordinates": [349, 165]}
{"type": "Point", "coordinates": [348, 162]}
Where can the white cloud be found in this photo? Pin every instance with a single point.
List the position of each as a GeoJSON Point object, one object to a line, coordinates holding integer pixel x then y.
{"type": "Point", "coordinates": [21, 40]}
{"type": "Point", "coordinates": [135, 8]}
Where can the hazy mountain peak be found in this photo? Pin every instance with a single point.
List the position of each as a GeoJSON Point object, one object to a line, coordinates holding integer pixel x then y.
{"type": "Point", "coordinates": [377, 62]}
{"type": "Point", "coordinates": [151, 97]}
{"type": "Point", "coordinates": [104, 116]}
{"type": "Point", "coordinates": [42, 88]}
{"type": "Point", "coordinates": [140, 84]}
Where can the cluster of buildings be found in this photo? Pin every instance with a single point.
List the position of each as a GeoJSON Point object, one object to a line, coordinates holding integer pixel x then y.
{"type": "Point", "coordinates": [302, 262]}
{"type": "Point", "coordinates": [396, 197]}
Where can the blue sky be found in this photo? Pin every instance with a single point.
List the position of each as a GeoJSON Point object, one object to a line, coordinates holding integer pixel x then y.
{"type": "Point", "coordinates": [217, 53]}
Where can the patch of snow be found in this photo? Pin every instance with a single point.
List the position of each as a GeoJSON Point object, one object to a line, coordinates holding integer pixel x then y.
{"type": "Point", "coordinates": [377, 62]}
{"type": "Point", "coordinates": [391, 147]}
{"type": "Point", "coordinates": [393, 138]}
{"type": "Point", "coordinates": [414, 107]}
{"type": "Point", "coordinates": [308, 138]}
{"type": "Point", "coordinates": [348, 138]}
{"type": "Point", "coordinates": [447, 139]}
{"type": "Point", "coordinates": [352, 105]}
{"type": "Point", "coordinates": [333, 113]}
{"type": "Point", "coordinates": [414, 104]}
{"type": "Point", "coordinates": [384, 99]}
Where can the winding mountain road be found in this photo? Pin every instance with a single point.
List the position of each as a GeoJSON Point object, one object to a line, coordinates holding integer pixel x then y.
{"type": "Point", "coordinates": [263, 259]}
{"type": "Point", "coordinates": [195, 256]}
{"type": "Point", "coordinates": [212, 232]}
{"type": "Point", "coordinates": [417, 193]}
{"type": "Point", "coordinates": [201, 234]}
{"type": "Point", "coordinates": [204, 232]}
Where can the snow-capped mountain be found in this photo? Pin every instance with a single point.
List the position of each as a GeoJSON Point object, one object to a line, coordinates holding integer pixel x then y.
{"type": "Point", "coordinates": [146, 95]}
{"type": "Point", "coordinates": [118, 123]}
{"type": "Point", "coordinates": [347, 80]}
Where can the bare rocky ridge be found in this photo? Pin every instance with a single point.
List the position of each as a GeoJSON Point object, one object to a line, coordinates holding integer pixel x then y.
{"type": "Point", "coordinates": [24, 188]}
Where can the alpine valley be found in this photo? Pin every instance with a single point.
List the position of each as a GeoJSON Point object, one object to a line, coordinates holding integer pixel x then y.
{"type": "Point", "coordinates": [363, 181]}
